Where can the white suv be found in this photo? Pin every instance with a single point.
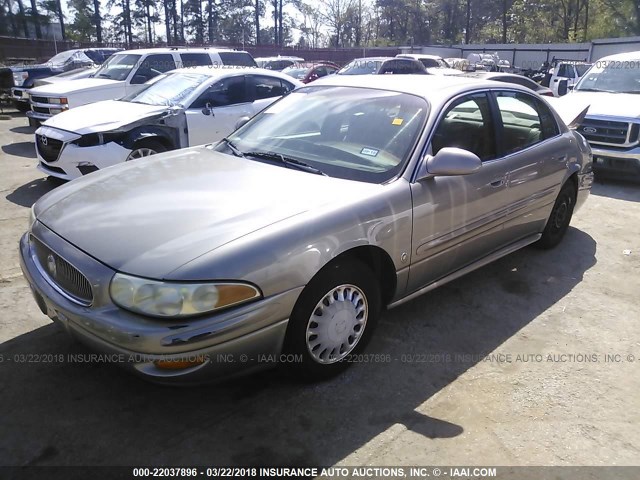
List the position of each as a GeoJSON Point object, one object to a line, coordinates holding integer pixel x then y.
{"type": "Point", "coordinates": [124, 74]}
{"type": "Point", "coordinates": [611, 90]}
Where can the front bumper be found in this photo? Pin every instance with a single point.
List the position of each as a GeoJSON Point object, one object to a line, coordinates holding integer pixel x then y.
{"type": "Point", "coordinates": [236, 341]}
{"type": "Point", "coordinates": [622, 164]}
{"type": "Point", "coordinates": [74, 161]}
{"type": "Point", "coordinates": [19, 94]}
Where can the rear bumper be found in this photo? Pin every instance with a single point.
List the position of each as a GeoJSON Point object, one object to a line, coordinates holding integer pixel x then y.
{"type": "Point", "coordinates": [229, 343]}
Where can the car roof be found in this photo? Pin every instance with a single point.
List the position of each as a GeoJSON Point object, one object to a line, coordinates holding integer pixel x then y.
{"type": "Point", "coordinates": [418, 56]}
{"type": "Point", "coordinates": [269, 59]}
{"type": "Point", "coordinates": [223, 70]}
{"type": "Point", "coordinates": [431, 87]}
{"type": "Point", "coordinates": [144, 51]}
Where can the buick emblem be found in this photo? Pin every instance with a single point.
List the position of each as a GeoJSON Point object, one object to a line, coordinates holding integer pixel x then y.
{"type": "Point", "coordinates": [43, 139]}
{"type": "Point", "coordinates": [589, 130]}
{"type": "Point", "coordinates": [51, 265]}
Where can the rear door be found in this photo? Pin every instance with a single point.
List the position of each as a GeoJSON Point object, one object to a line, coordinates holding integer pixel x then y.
{"type": "Point", "coordinates": [214, 114]}
{"type": "Point", "coordinates": [537, 156]}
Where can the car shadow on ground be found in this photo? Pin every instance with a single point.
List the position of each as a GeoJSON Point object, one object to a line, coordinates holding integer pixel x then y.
{"type": "Point", "coordinates": [27, 194]}
{"type": "Point", "coordinates": [24, 129]}
{"type": "Point", "coordinates": [87, 413]}
{"type": "Point", "coordinates": [618, 189]}
{"type": "Point", "coordinates": [20, 149]}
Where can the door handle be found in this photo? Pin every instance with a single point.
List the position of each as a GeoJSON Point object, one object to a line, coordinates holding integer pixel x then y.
{"type": "Point", "coordinates": [497, 183]}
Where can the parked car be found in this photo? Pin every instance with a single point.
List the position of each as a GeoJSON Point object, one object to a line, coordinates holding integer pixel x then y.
{"type": "Point", "coordinates": [124, 74]}
{"type": "Point", "coordinates": [186, 107]}
{"type": "Point", "coordinates": [346, 196]}
{"type": "Point", "coordinates": [433, 63]}
{"type": "Point", "coordinates": [278, 63]}
{"type": "Point", "coordinates": [611, 90]}
{"type": "Point", "coordinates": [19, 79]}
{"type": "Point", "coordinates": [309, 71]}
{"type": "Point", "coordinates": [513, 78]}
{"type": "Point", "coordinates": [363, 66]}
{"type": "Point", "coordinates": [402, 66]}
{"type": "Point", "coordinates": [75, 74]}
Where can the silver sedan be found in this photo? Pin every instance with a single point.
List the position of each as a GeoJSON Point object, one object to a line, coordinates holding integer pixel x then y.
{"type": "Point", "coordinates": [284, 241]}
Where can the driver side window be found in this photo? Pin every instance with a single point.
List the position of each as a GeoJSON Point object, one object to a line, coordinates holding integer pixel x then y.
{"type": "Point", "coordinates": [153, 66]}
{"type": "Point", "coordinates": [228, 91]}
{"type": "Point", "coordinates": [468, 125]}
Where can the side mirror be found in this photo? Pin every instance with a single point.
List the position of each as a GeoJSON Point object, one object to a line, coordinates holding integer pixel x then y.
{"type": "Point", "coordinates": [453, 161]}
{"type": "Point", "coordinates": [207, 109]}
{"type": "Point", "coordinates": [241, 121]}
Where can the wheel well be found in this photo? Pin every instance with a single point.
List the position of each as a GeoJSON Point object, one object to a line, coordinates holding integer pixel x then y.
{"type": "Point", "coordinates": [574, 179]}
{"type": "Point", "coordinates": [155, 138]}
{"type": "Point", "coordinates": [380, 263]}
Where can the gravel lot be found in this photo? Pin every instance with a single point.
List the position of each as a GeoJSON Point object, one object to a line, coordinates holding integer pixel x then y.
{"type": "Point", "coordinates": [546, 395]}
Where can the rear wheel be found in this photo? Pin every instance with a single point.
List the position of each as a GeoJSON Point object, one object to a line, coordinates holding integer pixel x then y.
{"type": "Point", "coordinates": [333, 319]}
{"type": "Point", "coordinates": [560, 217]}
{"type": "Point", "coordinates": [146, 148]}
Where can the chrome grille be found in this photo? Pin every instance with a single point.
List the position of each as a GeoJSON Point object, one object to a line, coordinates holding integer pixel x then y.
{"type": "Point", "coordinates": [39, 100]}
{"type": "Point", "coordinates": [62, 274]}
{"type": "Point", "coordinates": [609, 132]}
{"type": "Point", "coordinates": [48, 148]}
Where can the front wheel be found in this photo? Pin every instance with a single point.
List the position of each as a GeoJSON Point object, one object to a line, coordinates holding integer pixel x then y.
{"type": "Point", "coordinates": [333, 319]}
{"type": "Point", "coordinates": [560, 217]}
{"type": "Point", "coordinates": [145, 148]}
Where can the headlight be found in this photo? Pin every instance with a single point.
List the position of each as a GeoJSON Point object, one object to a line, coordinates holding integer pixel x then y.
{"type": "Point", "coordinates": [164, 299]}
{"type": "Point", "coordinates": [19, 78]}
{"type": "Point", "coordinates": [58, 101]}
{"type": "Point", "coordinates": [32, 217]}
{"type": "Point", "coordinates": [95, 139]}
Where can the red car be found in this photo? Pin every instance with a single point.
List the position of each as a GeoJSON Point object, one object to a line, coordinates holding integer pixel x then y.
{"type": "Point", "coordinates": [309, 71]}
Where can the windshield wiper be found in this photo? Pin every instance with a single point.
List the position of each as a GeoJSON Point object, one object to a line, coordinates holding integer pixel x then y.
{"type": "Point", "coordinates": [232, 147]}
{"type": "Point", "coordinates": [286, 161]}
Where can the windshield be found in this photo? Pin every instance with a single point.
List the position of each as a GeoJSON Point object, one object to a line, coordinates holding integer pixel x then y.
{"type": "Point", "coordinates": [616, 77]}
{"type": "Point", "coordinates": [361, 66]}
{"type": "Point", "coordinates": [346, 132]}
{"type": "Point", "coordinates": [296, 72]}
{"type": "Point", "coordinates": [117, 67]}
{"type": "Point", "coordinates": [171, 90]}
{"type": "Point", "coordinates": [62, 57]}
{"type": "Point", "coordinates": [582, 69]}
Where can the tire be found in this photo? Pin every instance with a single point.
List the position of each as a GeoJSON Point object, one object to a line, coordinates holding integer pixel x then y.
{"type": "Point", "coordinates": [21, 106]}
{"type": "Point", "coordinates": [145, 148]}
{"type": "Point", "coordinates": [34, 123]}
{"type": "Point", "coordinates": [560, 217]}
{"type": "Point", "coordinates": [348, 296]}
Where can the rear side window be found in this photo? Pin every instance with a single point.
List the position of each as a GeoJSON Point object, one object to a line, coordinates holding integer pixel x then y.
{"type": "Point", "coordinates": [195, 59]}
{"type": "Point", "coordinates": [242, 59]}
{"type": "Point", "coordinates": [525, 119]}
{"type": "Point", "coordinates": [467, 124]}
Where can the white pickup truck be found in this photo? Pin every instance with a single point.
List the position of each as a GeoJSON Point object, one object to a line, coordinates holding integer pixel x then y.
{"type": "Point", "coordinates": [569, 71]}
{"type": "Point", "coordinates": [611, 90]}
{"type": "Point", "coordinates": [124, 74]}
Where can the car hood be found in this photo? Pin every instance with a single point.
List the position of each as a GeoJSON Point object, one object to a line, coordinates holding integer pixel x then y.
{"type": "Point", "coordinates": [75, 86]}
{"type": "Point", "coordinates": [112, 115]}
{"type": "Point", "coordinates": [151, 216]}
{"type": "Point", "coordinates": [603, 103]}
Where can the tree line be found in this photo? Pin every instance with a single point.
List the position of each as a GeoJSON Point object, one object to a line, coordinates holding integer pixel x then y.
{"type": "Point", "coordinates": [323, 23]}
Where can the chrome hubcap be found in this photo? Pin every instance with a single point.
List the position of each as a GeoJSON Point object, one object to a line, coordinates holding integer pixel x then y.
{"type": "Point", "coordinates": [141, 152]}
{"type": "Point", "coordinates": [337, 324]}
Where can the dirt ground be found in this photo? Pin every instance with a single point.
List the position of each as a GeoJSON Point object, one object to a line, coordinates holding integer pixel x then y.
{"type": "Point", "coordinates": [532, 360]}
